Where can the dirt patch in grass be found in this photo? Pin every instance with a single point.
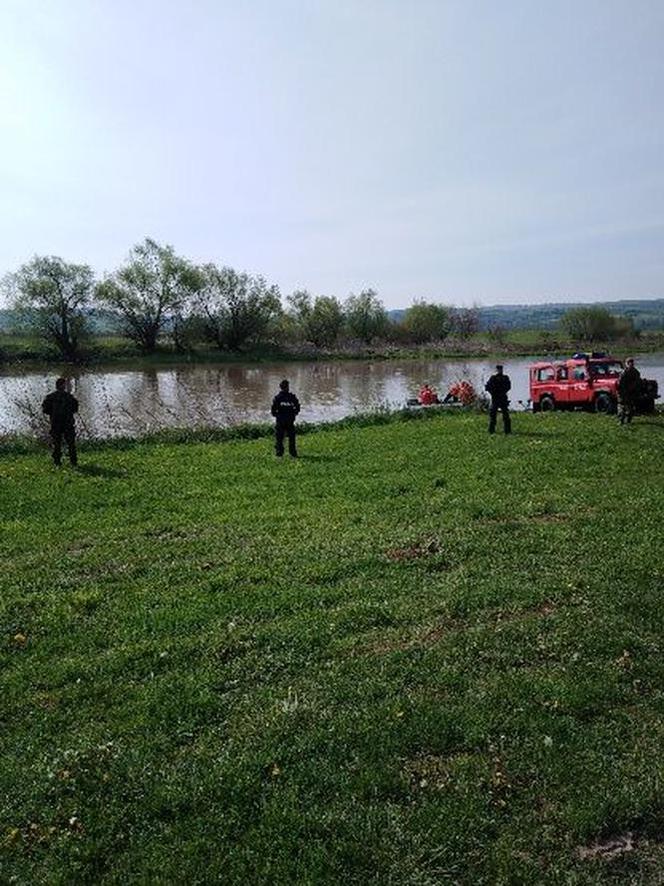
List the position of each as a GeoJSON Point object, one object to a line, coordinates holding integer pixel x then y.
{"type": "Point", "coordinates": [608, 848]}
{"type": "Point", "coordinates": [426, 547]}
{"type": "Point", "coordinates": [432, 771]}
{"type": "Point", "coordinates": [539, 610]}
{"type": "Point", "coordinates": [644, 843]}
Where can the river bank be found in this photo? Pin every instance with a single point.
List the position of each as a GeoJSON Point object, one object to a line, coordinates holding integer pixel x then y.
{"type": "Point", "coordinates": [368, 665]}
{"type": "Point", "coordinates": [32, 353]}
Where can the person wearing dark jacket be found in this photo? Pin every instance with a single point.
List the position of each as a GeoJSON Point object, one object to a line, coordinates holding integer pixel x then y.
{"type": "Point", "coordinates": [61, 406]}
{"type": "Point", "coordinates": [498, 386]}
{"type": "Point", "coordinates": [285, 407]}
{"type": "Point", "coordinates": [629, 389]}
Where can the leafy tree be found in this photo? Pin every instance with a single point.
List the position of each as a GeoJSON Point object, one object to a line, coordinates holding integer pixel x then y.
{"type": "Point", "coordinates": [425, 322]}
{"type": "Point", "coordinates": [52, 296]}
{"type": "Point", "coordinates": [594, 324]}
{"type": "Point", "coordinates": [186, 330]}
{"type": "Point", "coordinates": [326, 321]}
{"type": "Point", "coordinates": [152, 290]}
{"type": "Point", "coordinates": [366, 316]}
{"type": "Point", "coordinates": [319, 320]}
{"type": "Point", "coordinates": [236, 309]}
{"type": "Point", "coordinates": [300, 305]}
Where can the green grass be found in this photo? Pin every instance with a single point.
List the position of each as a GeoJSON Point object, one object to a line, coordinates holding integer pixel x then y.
{"type": "Point", "coordinates": [417, 655]}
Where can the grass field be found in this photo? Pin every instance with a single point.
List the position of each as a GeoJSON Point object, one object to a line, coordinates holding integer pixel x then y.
{"type": "Point", "coordinates": [417, 655]}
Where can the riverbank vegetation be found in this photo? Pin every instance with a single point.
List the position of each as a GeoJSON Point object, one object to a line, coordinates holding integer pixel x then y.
{"type": "Point", "coordinates": [160, 305]}
{"type": "Point", "coordinates": [416, 655]}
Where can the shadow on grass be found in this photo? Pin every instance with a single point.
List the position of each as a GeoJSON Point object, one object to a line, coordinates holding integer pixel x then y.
{"type": "Point", "coordinates": [98, 471]}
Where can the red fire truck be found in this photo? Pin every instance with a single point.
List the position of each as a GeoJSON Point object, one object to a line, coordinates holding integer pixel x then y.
{"type": "Point", "coordinates": [587, 381]}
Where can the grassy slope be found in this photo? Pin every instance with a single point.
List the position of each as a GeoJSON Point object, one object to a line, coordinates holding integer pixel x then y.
{"type": "Point", "coordinates": [417, 655]}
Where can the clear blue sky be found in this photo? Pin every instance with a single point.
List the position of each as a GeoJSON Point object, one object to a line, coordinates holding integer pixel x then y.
{"type": "Point", "coordinates": [458, 151]}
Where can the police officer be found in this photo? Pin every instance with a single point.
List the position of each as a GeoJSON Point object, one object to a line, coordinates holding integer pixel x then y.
{"type": "Point", "coordinates": [629, 389]}
{"type": "Point", "coordinates": [61, 406]}
{"type": "Point", "coordinates": [498, 386]}
{"type": "Point", "coordinates": [285, 407]}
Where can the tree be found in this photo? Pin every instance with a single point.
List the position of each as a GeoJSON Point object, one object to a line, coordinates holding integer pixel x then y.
{"type": "Point", "coordinates": [236, 309]}
{"type": "Point", "coordinates": [326, 321]}
{"type": "Point", "coordinates": [318, 320]}
{"type": "Point", "coordinates": [52, 295]}
{"type": "Point", "coordinates": [152, 290]}
{"type": "Point", "coordinates": [594, 324]}
{"type": "Point", "coordinates": [465, 321]}
{"type": "Point", "coordinates": [366, 317]}
{"type": "Point", "coordinates": [426, 322]}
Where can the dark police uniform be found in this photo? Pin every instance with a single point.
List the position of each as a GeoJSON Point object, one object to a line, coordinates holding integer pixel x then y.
{"type": "Point", "coordinates": [629, 390]}
{"type": "Point", "coordinates": [498, 386]}
{"type": "Point", "coordinates": [285, 407]}
{"type": "Point", "coordinates": [61, 407]}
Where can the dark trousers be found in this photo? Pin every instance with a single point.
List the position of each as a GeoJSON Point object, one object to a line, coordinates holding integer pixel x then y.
{"type": "Point", "coordinates": [503, 406]}
{"type": "Point", "coordinates": [626, 409]}
{"type": "Point", "coordinates": [287, 429]}
{"type": "Point", "coordinates": [69, 435]}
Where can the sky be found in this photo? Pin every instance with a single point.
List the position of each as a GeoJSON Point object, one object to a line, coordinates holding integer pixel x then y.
{"type": "Point", "coordinates": [462, 152]}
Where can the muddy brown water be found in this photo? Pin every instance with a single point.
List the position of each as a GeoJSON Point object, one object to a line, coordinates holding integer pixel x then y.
{"type": "Point", "coordinates": [118, 402]}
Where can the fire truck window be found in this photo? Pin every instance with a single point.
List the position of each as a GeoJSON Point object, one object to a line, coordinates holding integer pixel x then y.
{"type": "Point", "coordinates": [562, 374]}
{"type": "Point", "coordinates": [546, 374]}
{"type": "Point", "coordinates": [579, 373]}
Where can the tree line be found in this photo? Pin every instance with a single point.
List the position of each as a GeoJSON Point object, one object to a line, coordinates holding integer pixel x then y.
{"type": "Point", "coordinates": [158, 296]}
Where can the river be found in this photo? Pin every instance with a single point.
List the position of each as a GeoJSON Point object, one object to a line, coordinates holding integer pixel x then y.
{"type": "Point", "coordinates": [118, 402]}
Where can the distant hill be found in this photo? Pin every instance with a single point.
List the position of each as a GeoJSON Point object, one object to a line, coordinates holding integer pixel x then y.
{"type": "Point", "coordinates": [646, 313]}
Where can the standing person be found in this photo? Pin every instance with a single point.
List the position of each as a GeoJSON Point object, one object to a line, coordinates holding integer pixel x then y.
{"type": "Point", "coordinates": [61, 406]}
{"type": "Point", "coordinates": [285, 407]}
{"type": "Point", "coordinates": [498, 386]}
{"type": "Point", "coordinates": [629, 389]}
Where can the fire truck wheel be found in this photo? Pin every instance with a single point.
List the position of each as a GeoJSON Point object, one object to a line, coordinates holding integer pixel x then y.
{"type": "Point", "coordinates": [605, 403]}
{"type": "Point", "coordinates": [547, 403]}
